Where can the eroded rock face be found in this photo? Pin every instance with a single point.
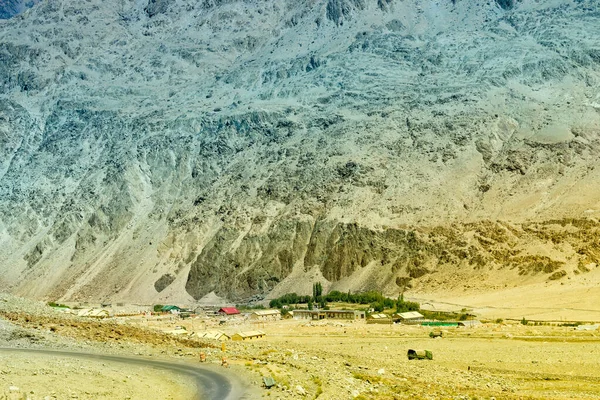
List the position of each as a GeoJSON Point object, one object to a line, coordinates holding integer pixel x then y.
{"type": "Point", "coordinates": [338, 10]}
{"type": "Point", "coordinates": [393, 257]}
{"type": "Point", "coordinates": [10, 8]}
{"type": "Point", "coordinates": [506, 4]}
{"type": "Point", "coordinates": [155, 7]}
{"type": "Point", "coordinates": [166, 150]}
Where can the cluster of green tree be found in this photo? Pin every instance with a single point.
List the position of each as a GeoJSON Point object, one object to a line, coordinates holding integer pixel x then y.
{"type": "Point", "coordinates": [444, 315]}
{"type": "Point", "coordinates": [374, 299]}
{"type": "Point", "coordinates": [317, 290]}
{"type": "Point", "coordinates": [405, 306]}
{"type": "Point", "coordinates": [318, 297]}
{"type": "Point", "coordinates": [249, 307]}
{"type": "Point", "coordinates": [289, 298]}
{"type": "Point", "coordinates": [157, 307]}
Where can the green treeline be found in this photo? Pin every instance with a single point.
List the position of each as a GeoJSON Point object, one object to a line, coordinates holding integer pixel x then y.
{"type": "Point", "coordinates": [289, 298]}
{"type": "Point", "coordinates": [375, 299]}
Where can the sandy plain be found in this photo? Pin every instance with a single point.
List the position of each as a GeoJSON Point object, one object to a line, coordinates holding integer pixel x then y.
{"type": "Point", "coordinates": [329, 359]}
{"type": "Point", "coordinates": [345, 360]}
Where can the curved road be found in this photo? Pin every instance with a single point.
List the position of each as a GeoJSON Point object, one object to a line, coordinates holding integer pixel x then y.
{"type": "Point", "coordinates": [210, 383]}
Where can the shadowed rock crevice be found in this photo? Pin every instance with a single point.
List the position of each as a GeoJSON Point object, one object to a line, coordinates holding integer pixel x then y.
{"type": "Point", "coordinates": [338, 10]}
{"type": "Point", "coordinates": [163, 282]}
{"type": "Point", "coordinates": [506, 4]}
{"type": "Point", "coordinates": [155, 7]}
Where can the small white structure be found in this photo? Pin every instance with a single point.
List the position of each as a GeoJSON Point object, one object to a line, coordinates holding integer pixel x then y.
{"type": "Point", "coordinates": [410, 317]}
{"type": "Point", "coordinates": [587, 327]}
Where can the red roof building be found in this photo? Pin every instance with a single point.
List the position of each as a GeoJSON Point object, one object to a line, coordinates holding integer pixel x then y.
{"type": "Point", "coordinates": [229, 311]}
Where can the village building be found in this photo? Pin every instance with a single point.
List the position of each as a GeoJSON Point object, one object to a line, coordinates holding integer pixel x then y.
{"type": "Point", "coordinates": [247, 335]}
{"type": "Point", "coordinates": [288, 315]}
{"type": "Point", "coordinates": [409, 318]}
{"type": "Point", "coordinates": [265, 315]}
{"type": "Point", "coordinates": [309, 314]}
{"type": "Point", "coordinates": [345, 314]}
{"type": "Point", "coordinates": [329, 314]}
{"type": "Point", "coordinates": [211, 314]}
{"type": "Point", "coordinates": [170, 309]}
{"type": "Point", "coordinates": [379, 319]}
{"type": "Point", "coordinates": [228, 311]}
{"type": "Point", "coordinates": [214, 335]}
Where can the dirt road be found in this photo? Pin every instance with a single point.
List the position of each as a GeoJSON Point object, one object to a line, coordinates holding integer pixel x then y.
{"type": "Point", "coordinates": [210, 384]}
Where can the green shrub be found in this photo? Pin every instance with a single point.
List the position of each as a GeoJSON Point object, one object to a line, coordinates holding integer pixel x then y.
{"type": "Point", "coordinates": [404, 306]}
{"type": "Point", "coordinates": [249, 307]}
{"type": "Point", "coordinates": [53, 304]}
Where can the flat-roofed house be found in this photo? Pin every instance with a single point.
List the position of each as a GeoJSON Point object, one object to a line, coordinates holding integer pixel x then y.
{"type": "Point", "coordinates": [214, 335]}
{"type": "Point", "coordinates": [379, 319]}
{"type": "Point", "coordinates": [410, 317]}
{"type": "Point", "coordinates": [329, 314]}
{"type": "Point", "coordinates": [248, 335]}
{"type": "Point", "coordinates": [265, 315]}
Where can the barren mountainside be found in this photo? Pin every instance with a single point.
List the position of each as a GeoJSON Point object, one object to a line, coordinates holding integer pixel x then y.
{"type": "Point", "coordinates": [162, 150]}
{"type": "Point", "coordinates": [10, 8]}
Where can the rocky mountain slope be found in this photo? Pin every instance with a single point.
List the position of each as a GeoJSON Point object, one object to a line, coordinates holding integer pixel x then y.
{"type": "Point", "coordinates": [10, 8]}
{"type": "Point", "coordinates": [161, 150]}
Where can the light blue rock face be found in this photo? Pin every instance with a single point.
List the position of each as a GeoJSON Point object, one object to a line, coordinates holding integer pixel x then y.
{"type": "Point", "coordinates": [168, 149]}
{"type": "Point", "coordinates": [10, 8]}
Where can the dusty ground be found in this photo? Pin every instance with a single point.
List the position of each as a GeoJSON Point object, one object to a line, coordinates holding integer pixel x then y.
{"type": "Point", "coordinates": [347, 360]}
{"type": "Point", "coordinates": [26, 324]}
{"type": "Point", "coordinates": [325, 360]}
{"type": "Point", "coordinates": [39, 376]}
